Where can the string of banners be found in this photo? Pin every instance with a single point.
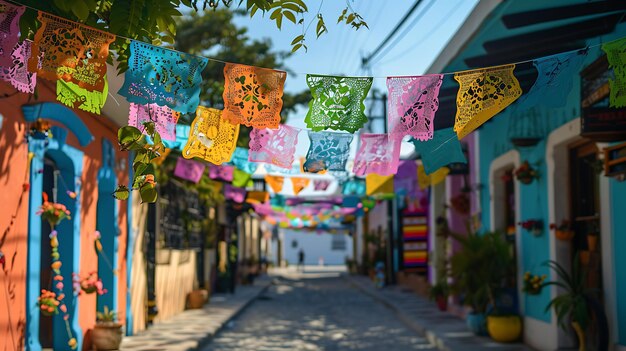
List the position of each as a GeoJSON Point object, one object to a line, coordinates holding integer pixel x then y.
{"type": "Point", "coordinates": [161, 84]}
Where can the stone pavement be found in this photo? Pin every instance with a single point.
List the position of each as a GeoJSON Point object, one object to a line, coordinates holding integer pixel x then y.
{"type": "Point", "coordinates": [191, 329]}
{"type": "Point", "coordinates": [317, 310]}
{"type": "Point", "coordinates": [445, 330]}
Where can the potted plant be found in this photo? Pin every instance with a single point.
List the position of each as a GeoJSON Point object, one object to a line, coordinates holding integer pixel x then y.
{"type": "Point", "coordinates": [48, 303]}
{"type": "Point", "coordinates": [439, 293]}
{"type": "Point", "coordinates": [197, 298]}
{"type": "Point", "coordinates": [92, 284]}
{"type": "Point", "coordinates": [577, 305]}
{"type": "Point", "coordinates": [107, 333]}
{"type": "Point", "coordinates": [534, 226]}
{"type": "Point", "coordinates": [479, 270]}
{"type": "Point", "coordinates": [533, 283]}
{"type": "Point", "coordinates": [563, 231]}
{"type": "Point", "coordinates": [525, 173]}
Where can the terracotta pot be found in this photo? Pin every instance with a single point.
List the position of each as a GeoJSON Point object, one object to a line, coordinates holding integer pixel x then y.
{"type": "Point", "coordinates": [564, 235]}
{"type": "Point", "coordinates": [197, 298]}
{"type": "Point", "coordinates": [107, 336]}
{"type": "Point", "coordinates": [442, 303]}
{"type": "Point", "coordinates": [584, 257]}
{"type": "Point", "coordinates": [592, 242]}
{"type": "Point", "coordinates": [504, 328]}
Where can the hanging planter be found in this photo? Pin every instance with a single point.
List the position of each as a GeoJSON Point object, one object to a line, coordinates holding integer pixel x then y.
{"type": "Point", "coordinates": [48, 303]}
{"type": "Point", "coordinates": [40, 130]}
{"type": "Point", "coordinates": [563, 231]}
{"type": "Point", "coordinates": [534, 226]}
{"type": "Point", "coordinates": [525, 173]}
{"type": "Point", "coordinates": [461, 203]}
{"type": "Point", "coordinates": [533, 283]}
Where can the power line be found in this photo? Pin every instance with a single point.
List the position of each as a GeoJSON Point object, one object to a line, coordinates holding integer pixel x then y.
{"type": "Point", "coordinates": [406, 31]}
{"type": "Point", "coordinates": [392, 33]}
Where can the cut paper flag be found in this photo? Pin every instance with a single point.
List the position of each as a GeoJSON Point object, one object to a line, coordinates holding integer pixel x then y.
{"type": "Point", "coordinates": [424, 180]}
{"type": "Point", "coordinates": [337, 102]}
{"type": "Point", "coordinates": [378, 153]}
{"type": "Point", "coordinates": [354, 187]}
{"type": "Point", "coordinates": [234, 193]}
{"type": "Point", "coordinates": [413, 102]}
{"type": "Point", "coordinates": [299, 184]}
{"type": "Point", "coordinates": [74, 55]}
{"type": "Point", "coordinates": [328, 152]}
{"type": "Point", "coordinates": [164, 119]}
{"type": "Point", "coordinates": [616, 55]}
{"type": "Point", "coordinates": [223, 172]}
{"type": "Point", "coordinates": [274, 146]}
{"type": "Point", "coordinates": [240, 160]}
{"type": "Point", "coordinates": [189, 169]}
{"type": "Point", "coordinates": [162, 76]}
{"type": "Point", "coordinates": [275, 182]}
{"type": "Point", "coordinates": [377, 184]}
{"type": "Point", "coordinates": [406, 178]}
{"type": "Point", "coordinates": [321, 184]}
{"type": "Point", "coordinates": [252, 95]}
{"type": "Point", "coordinates": [210, 137]}
{"type": "Point", "coordinates": [554, 80]}
{"type": "Point", "coordinates": [16, 73]}
{"type": "Point", "coordinates": [257, 197]}
{"type": "Point", "coordinates": [483, 93]}
{"type": "Point", "coordinates": [241, 178]}
{"type": "Point", "coordinates": [443, 149]}
{"type": "Point", "coordinates": [10, 15]}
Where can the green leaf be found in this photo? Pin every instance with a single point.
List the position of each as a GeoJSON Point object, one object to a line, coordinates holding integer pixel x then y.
{"type": "Point", "coordinates": [80, 9]}
{"type": "Point", "coordinates": [290, 16]}
{"type": "Point", "coordinates": [148, 193]}
{"type": "Point", "coordinates": [275, 14]}
{"type": "Point", "coordinates": [302, 4]}
{"type": "Point", "coordinates": [279, 21]}
{"type": "Point", "coordinates": [121, 193]}
{"type": "Point", "coordinates": [296, 47]}
{"type": "Point", "coordinates": [62, 4]}
{"type": "Point", "coordinates": [297, 39]}
{"type": "Point", "coordinates": [139, 168]}
{"type": "Point", "coordinates": [350, 18]}
{"type": "Point", "coordinates": [127, 136]}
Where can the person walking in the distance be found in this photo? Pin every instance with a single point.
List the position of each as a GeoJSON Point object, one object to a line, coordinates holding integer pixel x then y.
{"type": "Point", "coordinates": [301, 260]}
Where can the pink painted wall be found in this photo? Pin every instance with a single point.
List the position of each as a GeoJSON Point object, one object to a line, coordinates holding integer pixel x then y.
{"type": "Point", "coordinates": [13, 240]}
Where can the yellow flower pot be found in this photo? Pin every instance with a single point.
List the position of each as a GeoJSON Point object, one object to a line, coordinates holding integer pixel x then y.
{"type": "Point", "coordinates": [504, 328]}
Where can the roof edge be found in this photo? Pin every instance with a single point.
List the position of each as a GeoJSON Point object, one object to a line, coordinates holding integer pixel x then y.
{"type": "Point", "coordinates": [465, 32]}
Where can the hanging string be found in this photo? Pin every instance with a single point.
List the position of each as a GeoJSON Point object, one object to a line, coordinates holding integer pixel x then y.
{"type": "Point", "coordinates": [302, 73]}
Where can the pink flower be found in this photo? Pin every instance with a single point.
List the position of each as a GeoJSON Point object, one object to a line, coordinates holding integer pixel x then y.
{"type": "Point", "coordinates": [63, 308]}
{"type": "Point", "coordinates": [59, 286]}
{"type": "Point", "coordinates": [97, 235]}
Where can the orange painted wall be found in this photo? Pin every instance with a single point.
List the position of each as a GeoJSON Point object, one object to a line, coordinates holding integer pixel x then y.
{"type": "Point", "coordinates": [13, 241]}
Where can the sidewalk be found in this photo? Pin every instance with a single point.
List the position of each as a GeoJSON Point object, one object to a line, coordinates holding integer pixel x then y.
{"type": "Point", "coordinates": [446, 331]}
{"type": "Point", "coordinates": [191, 329]}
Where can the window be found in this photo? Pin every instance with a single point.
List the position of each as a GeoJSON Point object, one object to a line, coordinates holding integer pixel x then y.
{"type": "Point", "coordinates": [338, 243]}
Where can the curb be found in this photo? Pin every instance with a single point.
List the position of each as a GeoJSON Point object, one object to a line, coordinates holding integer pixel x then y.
{"type": "Point", "coordinates": [207, 339]}
{"type": "Point", "coordinates": [403, 317]}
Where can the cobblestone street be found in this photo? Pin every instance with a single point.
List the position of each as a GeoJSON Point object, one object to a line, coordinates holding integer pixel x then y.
{"type": "Point", "coordinates": [315, 312]}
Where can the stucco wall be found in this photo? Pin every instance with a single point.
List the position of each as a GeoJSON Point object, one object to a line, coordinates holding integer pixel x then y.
{"type": "Point", "coordinates": [13, 243]}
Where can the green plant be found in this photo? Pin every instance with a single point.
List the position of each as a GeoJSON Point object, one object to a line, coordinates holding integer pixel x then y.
{"type": "Point", "coordinates": [133, 139]}
{"type": "Point", "coordinates": [480, 268]}
{"type": "Point", "coordinates": [440, 289]}
{"type": "Point", "coordinates": [106, 316]}
{"type": "Point", "coordinates": [573, 301]}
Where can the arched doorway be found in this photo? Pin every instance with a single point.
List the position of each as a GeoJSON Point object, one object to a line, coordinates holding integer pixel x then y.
{"type": "Point", "coordinates": [62, 165]}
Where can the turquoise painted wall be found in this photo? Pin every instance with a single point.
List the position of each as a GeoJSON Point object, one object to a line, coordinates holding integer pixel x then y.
{"type": "Point", "coordinates": [618, 204]}
{"type": "Point", "coordinates": [533, 202]}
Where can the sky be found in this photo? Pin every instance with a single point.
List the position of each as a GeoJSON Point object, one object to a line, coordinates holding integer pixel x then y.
{"type": "Point", "coordinates": [339, 52]}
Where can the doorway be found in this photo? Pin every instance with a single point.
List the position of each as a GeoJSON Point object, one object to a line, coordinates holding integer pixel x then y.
{"type": "Point", "coordinates": [585, 218]}
{"type": "Point", "coordinates": [46, 325]}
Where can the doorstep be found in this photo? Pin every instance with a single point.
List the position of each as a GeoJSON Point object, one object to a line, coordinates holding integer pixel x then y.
{"type": "Point", "coordinates": [444, 330]}
{"type": "Point", "coordinates": [192, 329]}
